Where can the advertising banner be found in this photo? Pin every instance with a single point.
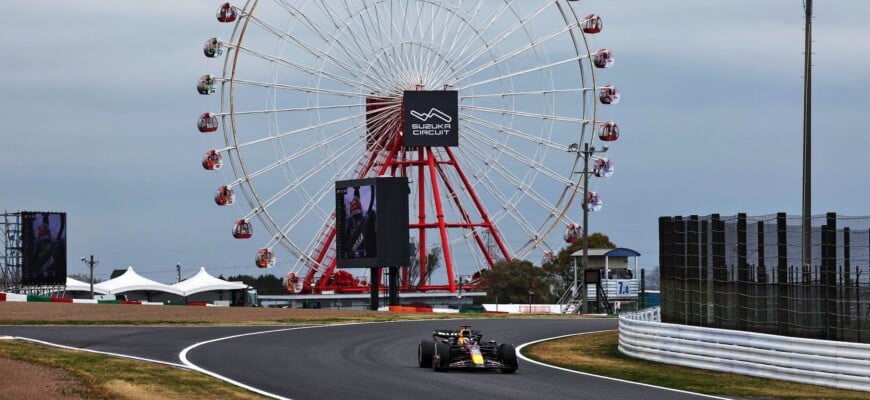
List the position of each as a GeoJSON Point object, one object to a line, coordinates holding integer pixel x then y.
{"type": "Point", "coordinates": [431, 118]}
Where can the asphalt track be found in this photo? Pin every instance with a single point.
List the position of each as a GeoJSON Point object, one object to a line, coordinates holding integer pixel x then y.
{"type": "Point", "coordinates": [354, 361]}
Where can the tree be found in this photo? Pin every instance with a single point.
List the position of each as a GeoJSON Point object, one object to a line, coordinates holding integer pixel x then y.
{"type": "Point", "coordinates": [510, 282]}
{"type": "Point", "coordinates": [433, 262]}
{"type": "Point", "coordinates": [652, 278]}
{"type": "Point", "coordinates": [265, 284]}
{"type": "Point", "coordinates": [85, 278]}
{"type": "Point", "coordinates": [562, 268]}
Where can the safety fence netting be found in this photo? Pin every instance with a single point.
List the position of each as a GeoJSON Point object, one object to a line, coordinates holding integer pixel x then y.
{"type": "Point", "coordinates": [750, 274]}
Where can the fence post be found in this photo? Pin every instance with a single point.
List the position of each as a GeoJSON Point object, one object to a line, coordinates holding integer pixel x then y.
{"type": "Point", "coordinates": [742, 272]}
{"type": "Point", "coordinates": [693, 276]}
{"type": "Point", "coordinates": [666, 244]}
{"type": "Point", "coordinates": [682, 306]}
{"type": "Point", "coordinates": [846, 297]}
{"type": "Point", "coordinates": [782, 280]}
{"type": "Point", "coordinates": [720, 270]}
{"type": "Point", "coordinates": [829, 275]}
{"type": "Point", "coordinates": [706, 278]}
{"type": "Point", "coordinates": [762, 315]}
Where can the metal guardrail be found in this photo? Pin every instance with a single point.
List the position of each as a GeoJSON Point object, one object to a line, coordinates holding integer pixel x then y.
{"type": "Point", "coordinates": [818, 362]}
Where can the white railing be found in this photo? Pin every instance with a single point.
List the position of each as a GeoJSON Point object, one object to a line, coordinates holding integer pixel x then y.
{"type": "Point", "coordinates": [818, 362]}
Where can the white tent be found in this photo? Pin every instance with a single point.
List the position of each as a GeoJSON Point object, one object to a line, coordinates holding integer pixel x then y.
{"type": "Point", "coordinates": [130, 281]}
{"type": "Point", "coordinates": [74, 285]}
{"type": "Point", "coordinates": [204, 282]}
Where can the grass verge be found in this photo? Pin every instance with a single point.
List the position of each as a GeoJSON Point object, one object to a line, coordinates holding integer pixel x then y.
{"type": "Point", "coordinates": [597, 353]}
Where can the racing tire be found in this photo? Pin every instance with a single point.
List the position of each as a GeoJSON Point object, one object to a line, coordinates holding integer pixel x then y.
{"type": "Point", "coordinates": [508, 358]}
{"type": "Point", "coordinates": [425, 351]}
{"type": "Point", "coordinates": [441, 360]}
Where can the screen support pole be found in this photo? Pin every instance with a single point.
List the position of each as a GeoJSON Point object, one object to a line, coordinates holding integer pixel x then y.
{"type": "Point", "coordinates": [375, 289]}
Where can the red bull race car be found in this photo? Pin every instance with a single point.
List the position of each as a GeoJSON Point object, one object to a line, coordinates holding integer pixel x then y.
{"type": "Point", "coordinates": [465, 349]}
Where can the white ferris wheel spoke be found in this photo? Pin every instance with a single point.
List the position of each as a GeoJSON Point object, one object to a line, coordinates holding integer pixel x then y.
{"type": "Point", "coordinates": [295, 132]}
{"type": "Point", "coordinates": [528, 137]}
{"type": "Point", "coordinates": [516, 52]}
{"type": "Point", "coordinates": [520, 24]}
{"type": "Point", "coordinates": [508, 205]}
{"type": "Point", "coordinates": [293, 157]}
{"type": "Point", "coordinates": [544, 117]}
{"type": "Point", "coordinates": [525, 71]}
{"type": "Point", "coordinates": [523, 186]}
{"type": "Point", "coordinates": [310, 49]}
{"type": "Point", "coordinates": [304, 68]}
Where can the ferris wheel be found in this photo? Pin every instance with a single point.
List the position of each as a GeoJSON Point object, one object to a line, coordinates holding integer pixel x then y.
{"type": "Point", "coordinates": [313, 92]}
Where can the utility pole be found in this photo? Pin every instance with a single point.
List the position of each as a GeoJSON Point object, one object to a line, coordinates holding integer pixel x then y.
{"type": "Point", "coordinates": [587, 153]}
{"type": "Point", "coordinates": [91, 264]}
{"type": "Point", "coordinates": [807, 226]}
{"type": "Point", "coordinates": [178, 270]}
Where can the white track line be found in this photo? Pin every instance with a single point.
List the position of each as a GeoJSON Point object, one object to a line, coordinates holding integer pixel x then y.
{"type": "Point", "coordinates": [519, 353]}
{"type": "Point", "coordinates": [61, 346]}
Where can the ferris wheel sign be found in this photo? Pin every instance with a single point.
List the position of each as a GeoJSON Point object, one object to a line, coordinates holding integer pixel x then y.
{"type": "Point", "coordinates": [431, 118]}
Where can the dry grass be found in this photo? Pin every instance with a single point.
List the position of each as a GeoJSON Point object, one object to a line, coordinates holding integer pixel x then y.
{"type": "Point", "coordinates": [101, 377]}
{"type": "Point", "coordinates": [597, 353]}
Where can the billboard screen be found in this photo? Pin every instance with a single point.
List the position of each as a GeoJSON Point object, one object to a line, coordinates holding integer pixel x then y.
{"type": "Point", "coordinates": [356, 222]}
{"type": "Point", "coordinates": [431, 118]}
{"type": "Point", "coordinates": [43, 237]}
{"type": "Point", "coordinates": [371, 222]}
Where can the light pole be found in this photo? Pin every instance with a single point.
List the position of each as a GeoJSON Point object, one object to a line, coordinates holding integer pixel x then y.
{"type": "Point", "coordinates": [806, 207]}
{"type": "Point", "coordinates": [91, 264]}
{"type": "Point", "coordinates": [587, 152]}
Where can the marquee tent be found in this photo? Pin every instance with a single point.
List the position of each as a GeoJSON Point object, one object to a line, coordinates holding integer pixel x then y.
{"type": "Point", "coordinates": [130, 281]}
{"type": "Point", "coordinates": [204, 282]}
{"type": "Point", "coordinates": [74, 285]}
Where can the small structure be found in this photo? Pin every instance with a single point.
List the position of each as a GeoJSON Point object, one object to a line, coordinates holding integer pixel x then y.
{"type": "Point", "coordinates": [620, 281]}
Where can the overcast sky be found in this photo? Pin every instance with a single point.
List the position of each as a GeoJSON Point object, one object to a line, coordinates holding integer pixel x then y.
{"type": "Point", "coordinates": [98, 111]}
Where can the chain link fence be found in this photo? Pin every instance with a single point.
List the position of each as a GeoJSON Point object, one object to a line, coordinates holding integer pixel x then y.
{"type": "Point", "coordinates": [746, 273]}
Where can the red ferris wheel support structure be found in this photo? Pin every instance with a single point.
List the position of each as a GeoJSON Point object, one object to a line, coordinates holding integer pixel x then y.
{"type": "Point", "coordinates": [388, 154]}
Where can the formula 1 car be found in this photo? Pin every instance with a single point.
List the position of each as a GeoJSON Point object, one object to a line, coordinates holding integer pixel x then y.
{"type": "Point", "coordinates": [465, 349]}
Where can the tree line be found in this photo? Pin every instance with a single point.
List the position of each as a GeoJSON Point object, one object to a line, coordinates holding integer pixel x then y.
{"type": "Point", "coordinates": [516, 281]}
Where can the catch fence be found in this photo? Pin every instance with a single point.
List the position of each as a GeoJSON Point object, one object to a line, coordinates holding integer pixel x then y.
{"type": "Point", "coordinates": [746, 273]}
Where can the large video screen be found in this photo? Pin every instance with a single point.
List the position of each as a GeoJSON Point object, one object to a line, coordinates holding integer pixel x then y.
{"type": "Point", "coordinates": [371, 222]}
{"type": "Point", "coordinates": [356, 222]}
{"type": "Point", "coordinates": [43, 237]}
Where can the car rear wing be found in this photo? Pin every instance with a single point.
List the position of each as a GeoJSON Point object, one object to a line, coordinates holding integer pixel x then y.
{"type": "Point", "coordinates": [453, 334]}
